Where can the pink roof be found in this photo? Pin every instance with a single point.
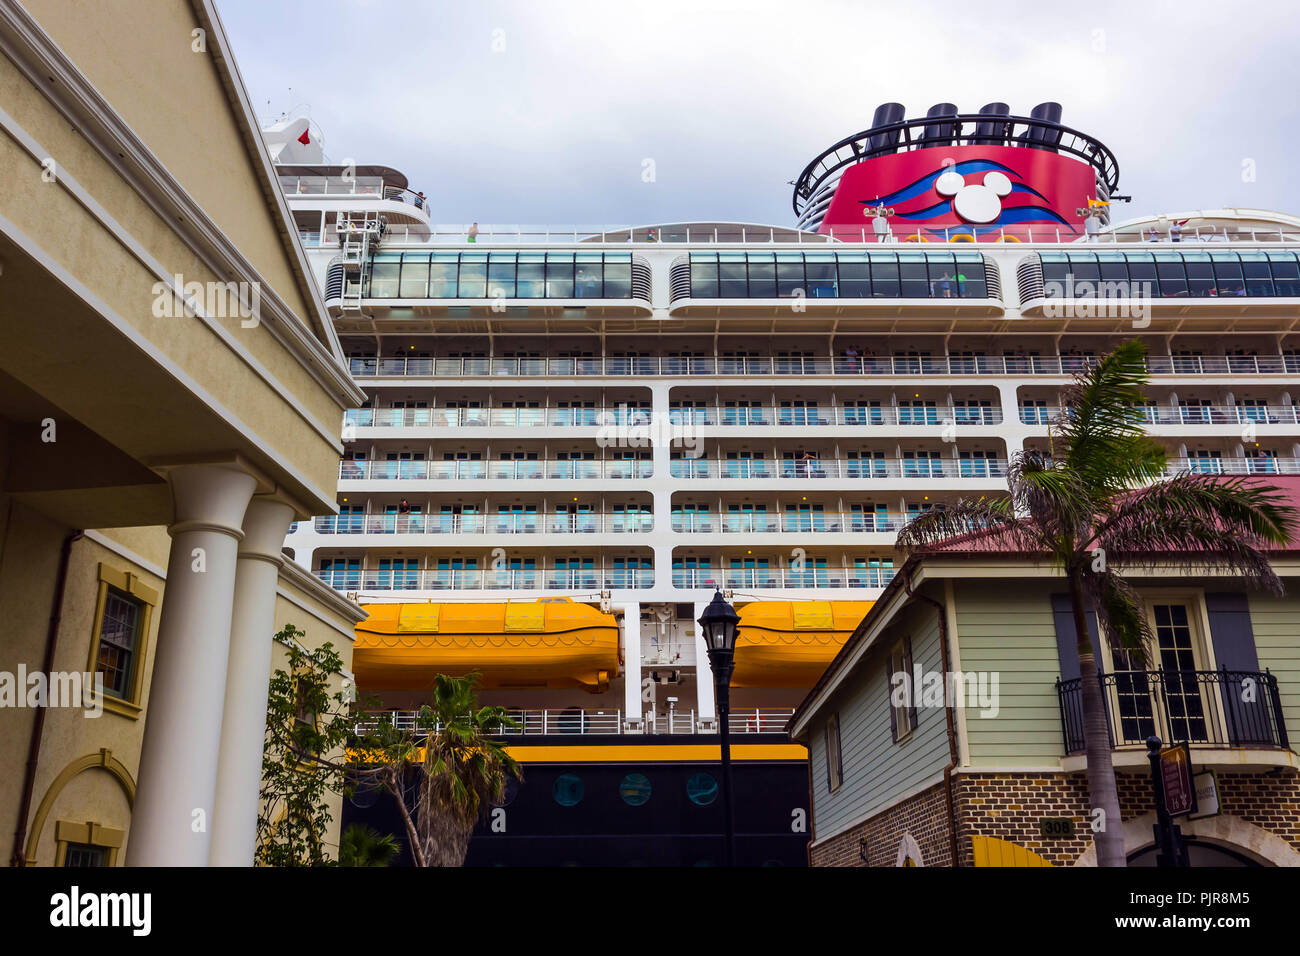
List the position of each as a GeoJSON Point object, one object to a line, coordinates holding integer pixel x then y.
{"type": "Point", "coordinates": [986, 541]}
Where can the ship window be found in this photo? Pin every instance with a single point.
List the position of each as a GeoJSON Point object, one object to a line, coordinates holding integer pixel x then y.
{"type": "Point", "coordinates": [567, 790]}
{"type": "Point", "coordinates": [530, 277]}
{"type": "Point", "coordinates": [559, 275]}
{"type": "Point", "coordinates": [762, 276]}
{"type": "Point", "coordinates": [442, 275]}
{"type": "Point", "coordinates": [473, 276]}
{"type": "Point", "coordinates": [635, 789]}
{"type": "Point", "coordinates": [383, 278]}
{"type": "Point", "coordinates": [501, 276]}
{"type": "Point", "coordinates": [415, 276]}
{"type": "Point", "coordinates": [701, 789]}
{"type": "Point", "coordinates": [618, 277]}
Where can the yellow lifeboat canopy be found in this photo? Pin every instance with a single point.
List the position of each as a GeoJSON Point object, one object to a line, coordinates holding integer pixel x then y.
{"type": "Point", "coordinates": [789, 643]}
{"type": "Point", "coordinates": [553, 642]}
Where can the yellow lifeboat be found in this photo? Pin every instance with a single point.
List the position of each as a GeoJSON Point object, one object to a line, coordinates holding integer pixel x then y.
{"type": "Point", "coordinates": [554, 642]}
{"type": "Point", "coordinates": [789, 643]}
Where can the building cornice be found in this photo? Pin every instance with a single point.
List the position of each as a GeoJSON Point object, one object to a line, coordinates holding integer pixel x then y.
{"type": "Point", "coordinates": [38, 57]}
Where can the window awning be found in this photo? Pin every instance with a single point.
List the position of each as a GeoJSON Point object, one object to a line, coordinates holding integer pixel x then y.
{"type": "Point", "coordinates": [551, 643]}
{"type": "Point", "coordinates": [789, 643]}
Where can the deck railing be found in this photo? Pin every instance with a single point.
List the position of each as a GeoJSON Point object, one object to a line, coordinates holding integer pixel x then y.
{"type": "Point", "coordinates": [606, 722]}
{"type": "Point", "coordinates": [852, 365]}
{"type": "Point", "coordinates": [1220, 708]}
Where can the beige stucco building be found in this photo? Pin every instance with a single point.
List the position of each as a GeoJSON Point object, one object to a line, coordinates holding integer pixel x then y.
{"type": "Point", "coordinates": [169, 378]}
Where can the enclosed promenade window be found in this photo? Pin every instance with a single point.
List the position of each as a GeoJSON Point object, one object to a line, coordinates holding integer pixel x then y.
{"type": "Point", "coordinates": [541, 274]}
{"type": "Point", "coordinates": [1165, 274]}
{"type": "Point", "coordinates": [842, 275]}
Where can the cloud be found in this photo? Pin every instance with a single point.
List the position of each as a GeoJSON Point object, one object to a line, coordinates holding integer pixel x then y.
{"type": "Point", "coordinates": [543, 112]}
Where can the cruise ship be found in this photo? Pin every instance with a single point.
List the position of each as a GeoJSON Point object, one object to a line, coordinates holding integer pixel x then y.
{"type": "Point", "coordinates": [575, 435]}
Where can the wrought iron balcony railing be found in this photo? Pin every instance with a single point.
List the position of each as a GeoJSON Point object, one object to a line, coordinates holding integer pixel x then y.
{"type": "Point", "coordinates": [1216, 708]}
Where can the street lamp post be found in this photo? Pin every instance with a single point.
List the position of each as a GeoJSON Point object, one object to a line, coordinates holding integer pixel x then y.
{"type": "Point", "coordinates": [720, 624]}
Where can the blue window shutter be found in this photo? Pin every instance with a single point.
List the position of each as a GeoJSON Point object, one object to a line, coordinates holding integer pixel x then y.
{"type": "Point", "coordinates": [1234, 651]}
{"type": "Point", "coordinates": [1067, 643]}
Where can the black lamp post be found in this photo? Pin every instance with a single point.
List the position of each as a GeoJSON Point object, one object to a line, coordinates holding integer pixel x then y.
{"type": "Point", "coordinates": [720, 624]}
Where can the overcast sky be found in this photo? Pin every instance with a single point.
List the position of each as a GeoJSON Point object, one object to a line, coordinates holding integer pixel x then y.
{"type": "Point", "coordinates": [546, 111]}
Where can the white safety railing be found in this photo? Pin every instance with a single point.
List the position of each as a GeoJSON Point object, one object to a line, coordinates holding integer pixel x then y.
{"type": "Point", "coordinates": [887, 365]}
{"type": "Point", "coordinates": [778, 522]}
{"type": "Point", "coordinates": [513, 469]}
{"type": "Point", "coordinates": [474, 579]}
{"type": "Point", "coordinates": [629, 522]}
{"type": "Point", "coordinates": [1185, 414]}
{"type": "Point", "coordinates": [768, 578]}
{"type": "Point", "coordinates": [580, 721]}
{"type": "Point", "coordinates": [822, 468]}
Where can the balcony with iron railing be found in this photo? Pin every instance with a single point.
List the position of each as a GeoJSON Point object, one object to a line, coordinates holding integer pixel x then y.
{"type": "Point", "coordinates": [533, 523]}
{"type": "Point", "coordinates": [534, 469]}
{"type": "Point", "coordinates": [1223, 708]}
{"type": "Point", "coordinates": [482, 367]}
{"type": "Point", "coordinates": [472, 579]}
{"type": "Point", "coordinates": [597, 722]}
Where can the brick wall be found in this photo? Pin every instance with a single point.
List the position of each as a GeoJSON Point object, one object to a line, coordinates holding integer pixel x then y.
{"type": "Point", "coordinates": [924, 816]}
{"type": "Point", "coordinates": [1010, 805]}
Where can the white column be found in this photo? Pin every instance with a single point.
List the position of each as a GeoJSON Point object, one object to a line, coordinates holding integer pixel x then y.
{"type": "Point", "coordinates": [243, 724]}
{"type": "Point", "coordinates": [171, 822]}
{"type": "Point", "coordinates": [705, 709]}
{"type": "Point", "coordinates": [632, 664]}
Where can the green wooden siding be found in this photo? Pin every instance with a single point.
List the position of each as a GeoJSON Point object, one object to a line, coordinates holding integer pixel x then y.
{"type": "Point", "coordinates": [1005, 627]}
{"type": "Point", "coordinates": [1276, 623]}
{"type": "Point", "coordinates": [878, 771]}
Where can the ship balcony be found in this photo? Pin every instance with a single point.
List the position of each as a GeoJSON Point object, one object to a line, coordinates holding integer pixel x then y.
{"type": "Point", "coordinates": [930, 466]}
{"type": "Point", "coordinates": [531, 524]}
{"type": "Point", "coordinates": [383, 579]}
{"type": "Point", "coordinates": [808, 413]}
{"type": "Point", "coordinates": [869, 577]}
{"type": "Point", "coordinates": [1191, 416]}
{"type": "Point", "coordinates": [780, 521]}
{"type": "Point", "coordinates": [883, 366]}
{"type": "Point", "coordinates": [534, 469]}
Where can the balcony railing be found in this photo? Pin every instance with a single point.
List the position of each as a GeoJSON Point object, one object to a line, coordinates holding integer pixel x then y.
{"type": "Point", "coordinates": [579, 721]}
{"type": "Point", "coordinates": [706, 578]}
{"type": "Point", "coordinates": [821, 468]}
{"type": "Point", "coordinates": [1261, 465]}
{"type": "Point", "coordinates": [497, 417]}
{"type": "Point", "coordinates": [629, 522]}
{"type": "Point", "coordinates": [777, 522]}
{"type": "Point", "coordinates": [886, 365]}
{"type": "Point", "coordinates": [1186, 414]}
{"type": "Point", "coordinates": [1216, 708]}
{"type": "Point", "coordinates": [470, 579]}
{"type": "Point", "coordinates": [514, 469]}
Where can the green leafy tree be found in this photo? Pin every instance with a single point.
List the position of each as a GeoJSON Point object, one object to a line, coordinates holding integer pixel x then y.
{"type": "Point", "coordinates": [361, 845]}
{"type": "Point", "coordinates": [308, 722]}
{"type": "Point", "coordinates": [461, 768]}
{"type": "Point", "coordinates": [1099, 502]}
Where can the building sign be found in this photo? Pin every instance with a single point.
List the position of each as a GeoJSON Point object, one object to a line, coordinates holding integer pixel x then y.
{"type": "Point", "coordinates": [1055, 828]}
{"type": "Point", "coordinates": [1176, 775]}
{"type": "Point", "coordinates": [1206, 786]}
{"type": "Point", "coordinates": [966, 191]}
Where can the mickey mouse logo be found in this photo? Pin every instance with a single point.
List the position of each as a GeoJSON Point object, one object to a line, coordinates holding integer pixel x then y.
{"type": "Point", "coordinates": [973, 202]}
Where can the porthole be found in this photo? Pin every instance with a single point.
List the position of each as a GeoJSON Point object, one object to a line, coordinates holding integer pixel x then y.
{"type": "Point", "coordinates": [702, 789]}
{"type": "Point", "coordinates": [635, 789]}
{"type": "Point", "coordinates": [567, 790]}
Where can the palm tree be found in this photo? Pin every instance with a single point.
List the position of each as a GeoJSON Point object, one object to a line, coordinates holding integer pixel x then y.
{"type": "Point", "coordinates": [463, 769]}
{"type": "Point", "coordinates": [1098, 504]}
{"type": "Point", "coordinates": [361, 845]}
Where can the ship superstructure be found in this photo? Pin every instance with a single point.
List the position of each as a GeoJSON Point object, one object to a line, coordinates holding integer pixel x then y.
{"type": "Point", "coordinates": [574, 435]}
